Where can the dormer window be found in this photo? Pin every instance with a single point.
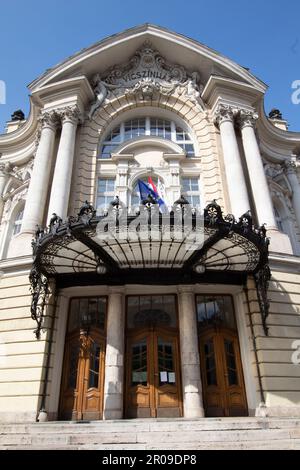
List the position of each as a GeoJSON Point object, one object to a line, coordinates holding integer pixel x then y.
{"type": "Point", "coordinates": [146, 126]}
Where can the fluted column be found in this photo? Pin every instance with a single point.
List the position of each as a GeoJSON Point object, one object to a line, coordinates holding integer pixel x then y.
{"type": "Point", "coordinates": [236, 183]}
{"type": "Point", "coordinates": [291, 172]}
{"type": "Point", "coordinates": [61, 184]}
{"type": "Point", "coordinates": [114, 358]}
{"type": "Point", "coordinates": [190, 363]}
{"type": "Point", "coordinates": [39, 183]}
{"type": "Point", "coordinates": [258, 181]}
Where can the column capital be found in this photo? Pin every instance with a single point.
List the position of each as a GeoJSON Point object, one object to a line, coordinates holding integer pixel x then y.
{"type": "Point", "coordinates": [69, 114]}
{"type": "Point", "coordinates": [49, 119]}
{"type": "Point", "coordinates": [247, 118]}
{"type": "Point", "coordinates": [223, 113]}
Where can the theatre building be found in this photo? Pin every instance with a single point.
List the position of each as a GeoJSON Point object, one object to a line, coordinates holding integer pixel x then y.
{"type": "Point", "coordinates": [143, 321]}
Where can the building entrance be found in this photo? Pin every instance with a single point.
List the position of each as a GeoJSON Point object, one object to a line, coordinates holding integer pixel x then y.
{"type": "Point", "coordinates": [153, 385]}
{"type": "Point", "coordinates": [221, 367]}
{"type": "Point", "coordinates": [83, 374]}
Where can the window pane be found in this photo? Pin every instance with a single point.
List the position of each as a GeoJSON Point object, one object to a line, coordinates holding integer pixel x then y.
{"type": "Point", "coordinates": [165, 362]}
{"type": "Point", "coordinates": [215, 310]}
{"type": "Point", "coordinates": [19, 215]}
{"type": "Point", "coordinates": [107, 149]}
{"type": "Point", "coordinates": [195, 201]}
{"type": "Point", "coordinates": [194, 184]}
{"type": "Point", "coordinates": [139, 363]}
{"type": "Point", "coordinates": [94, 366]}
{"type": "Point", "coordinates": [17, 228]}
{"type": "Point", "coordinates": [155, 310]}
{"type": "Point", "coordinates": [185, 184]}
{"type": "Point", "coordinates": [101, 185]}
{"type": "Point", "coordinates": [134, 128]}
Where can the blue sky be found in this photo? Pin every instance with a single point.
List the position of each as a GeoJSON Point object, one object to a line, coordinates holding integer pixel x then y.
{"type": "Point", "coordinates": [263, 36]}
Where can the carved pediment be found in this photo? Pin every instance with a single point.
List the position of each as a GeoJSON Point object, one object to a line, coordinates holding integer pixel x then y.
{"type": "Point", "coordinates": [146, 74]}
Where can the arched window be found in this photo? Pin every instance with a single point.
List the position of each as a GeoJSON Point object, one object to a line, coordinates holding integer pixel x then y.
{"type": "Point", "coordinates": [18, 222]}
{"type": "Point", "coordinates": [146, 126]}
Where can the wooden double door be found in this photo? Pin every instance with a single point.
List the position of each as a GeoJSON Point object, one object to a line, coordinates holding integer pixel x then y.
{"type": "Point", "coordinates": [153, 386]}
{"type": "Point", "coordinates": [222, 375]}
{"type": "Point", "coordinates": [83, 376]}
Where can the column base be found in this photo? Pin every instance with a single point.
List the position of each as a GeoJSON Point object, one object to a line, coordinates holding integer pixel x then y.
{"type": "Point", "coordinates": [279, 242]}
{"type": "Point", "coordinates": [113, 406]}
{"type": "Point", "coordinates": [20, 245]}
{"type": "Point", "coordinates": [192, 406]}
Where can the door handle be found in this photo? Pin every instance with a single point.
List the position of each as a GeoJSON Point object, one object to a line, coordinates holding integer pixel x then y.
{"type": "Point", "coordinates": [156, 374]}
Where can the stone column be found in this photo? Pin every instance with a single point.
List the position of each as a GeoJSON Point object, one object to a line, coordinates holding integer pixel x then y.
{"type": "Point", "coordinates": [291, 172]}
{"type": "Point", "coordinates": [3, 181]}
{"type": "Point", "coordinates": [259, 185]}
{"type": "Point", "coordinates": [236, 183]}
{"type": "Point", "coordinates": [61, 184]}
{"type": "Point", "coordinates": [190, 363]}
{"type": "Point", "coordinates": [114, 358]}
{"type": "Point", "coordinates": [39, 183]}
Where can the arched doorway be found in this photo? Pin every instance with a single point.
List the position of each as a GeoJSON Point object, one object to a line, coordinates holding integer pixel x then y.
{"type": "Point", "coordinates": [221, 368]}
{"type": "Point", "coordinates": [153, 385]}
{"type": "Point", "coordinates": [83, 371]}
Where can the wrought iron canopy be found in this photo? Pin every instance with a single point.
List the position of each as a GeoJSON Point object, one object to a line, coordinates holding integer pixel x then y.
{"type": "Point", "coordinates": [73, 253]}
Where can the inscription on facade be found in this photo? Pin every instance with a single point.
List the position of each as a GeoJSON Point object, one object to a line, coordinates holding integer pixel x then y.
{"type": "Point", "coordinates": [146, 74]}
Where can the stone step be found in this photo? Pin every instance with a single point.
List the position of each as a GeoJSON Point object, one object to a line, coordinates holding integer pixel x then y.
{"type": "Point", "coordinates": [204, 424]}
{"type": "Point", "coordinates": [154, 434]}
{"type": "Point", "coordinates": [253, 445]}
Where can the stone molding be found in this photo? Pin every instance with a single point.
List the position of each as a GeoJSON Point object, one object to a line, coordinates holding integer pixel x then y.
{"type": "Point", "coordinates": [69, 114]}
{"type": "Point", "coordinates": [224, 113]}
{"type": "Point", "coordinates": [145, 76]}
{"type": "Point", "coordinates": [247, 118]}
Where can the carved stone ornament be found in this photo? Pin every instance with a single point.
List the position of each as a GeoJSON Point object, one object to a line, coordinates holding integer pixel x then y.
{"type": "Point", "coordinates": [14, 172]}
{"type": "Point", "coordinates": [247, 118]}
{"type": "Point", "coordinates": [145, 75]}
{"type": "Point", "coordinates": [49, 119]}
{"type": "Point", "coordinates": [224, 113]}
{"type": "Point", "coordinates": [273, 169]}
{"type": "Point", "coordinates": [291, 165]}
{"type": "Point", "coordinates": [69, 114]}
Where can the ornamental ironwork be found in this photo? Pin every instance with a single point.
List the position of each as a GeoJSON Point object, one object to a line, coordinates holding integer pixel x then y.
{"type": "Point", "coordinates": [148, 247]}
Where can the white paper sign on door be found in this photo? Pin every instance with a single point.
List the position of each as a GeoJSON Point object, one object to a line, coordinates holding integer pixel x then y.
{"type": "Point", "coordinates": [164, 376]}
{"type": "Point", "coordinates": [171, 377]}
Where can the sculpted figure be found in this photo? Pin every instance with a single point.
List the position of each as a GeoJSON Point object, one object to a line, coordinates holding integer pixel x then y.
{"type": "Point", "coordinates": [101, 91]}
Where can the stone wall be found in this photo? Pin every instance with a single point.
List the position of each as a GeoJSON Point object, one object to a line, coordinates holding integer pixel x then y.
{"type": "Point", "coordinates": [22, 356]}
{"type": "Point", "coordinates": [280, 376]}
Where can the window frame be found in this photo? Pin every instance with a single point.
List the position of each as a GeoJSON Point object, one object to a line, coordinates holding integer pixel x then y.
{"type": "Point", "coordinates": [174, 128]}
{"type": "Point", "coordinates": [106, 193]}
{"type": "Point", "coordinates": [191, 193]}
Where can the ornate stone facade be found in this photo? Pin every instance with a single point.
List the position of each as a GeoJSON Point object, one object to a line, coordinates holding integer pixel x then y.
{"type": "Point", "coordinates": [201, 137]}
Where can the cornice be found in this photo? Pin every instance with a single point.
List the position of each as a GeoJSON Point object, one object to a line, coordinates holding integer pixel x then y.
{"type": "Point", "coordinates": [24, 135]}
{"type": "Point", "coordinates": [148, 31]}
{"type": "Point", "coordinates": [272, 135]}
